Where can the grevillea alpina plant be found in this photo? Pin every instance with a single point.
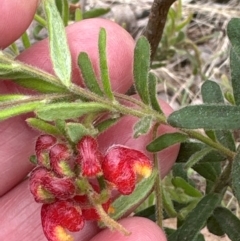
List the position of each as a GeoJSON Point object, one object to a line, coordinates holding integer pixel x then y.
{"type": "Point", "coordinates": [74, 180]}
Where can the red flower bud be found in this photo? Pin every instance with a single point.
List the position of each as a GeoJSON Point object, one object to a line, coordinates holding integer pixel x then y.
{"type": "Point", "coordinates": [122, 165]}
{"type": "Point", "coordinates": [61, 215]}
{"type": "Point", "coordinates": [45, 186]}
{"type": "Point", "coordinates": [60, 160]}
{"type": "Point", "coordinates": [43, 144]}
{"type": "Point", "coordinates": [90, 158]}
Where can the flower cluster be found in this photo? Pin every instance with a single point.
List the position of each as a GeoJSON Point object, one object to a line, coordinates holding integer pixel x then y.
{"type": "Point", "coordinates": [65, 181]}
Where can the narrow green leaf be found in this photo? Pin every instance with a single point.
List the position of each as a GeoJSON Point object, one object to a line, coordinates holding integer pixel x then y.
{"type": "Point", "coordinates": [178, 182]}
{"type": "Point", "coordinates": [235, 75]}
{"type": "Point", "coordinates": [168, 204]}
{"type": "Point", "coordinates": [33, 160]}
{"type": "Point", "coordinates": [213, 117]}
{"type": "Point", "coordinates": [15, 110]}
{"type": "Point", "coordinates": [63, 9]}
{"type": "Point", "coordinates": [197, 156]}
{"type": "Point", "coordinates": [124, 204]}
{"type": "Point", "coordinates": [196, 219]}
{"type": "Point", "coordinates": [40, 85]}
{"type": "Point", "coordinates": [233, 34]}
{"type": "Point", "coordinates": [65, 111]}
{"type": "Point", "coordinates": [236, 175]}
{"type": "Point", "coordinates": [228, 222]}
{"type": "Point", "coordinates": [13, 97]}
{"type": "Point", "coordinates": [97, 12]}
{"type": "Point", "coordinates": [76, 131]}
{"type": "Point", "coordinates": [152, 82]}
{"type": "Point", "coordinates": [104, 125]}
{"type": "Point", "coordinates": [78, 15]}
{"type": "Point", "coordinates": [165, 141]}
{"type": "Point", "coordinates": [59, 50]}
{"type": "Point", "coordinates": [102, 48]}
{"type": "Point", "coordinates": [141, 68]}
{"type": "Point", "coordinates": [142, 126]}
{"type": "Point", "coordinates": [25, 40]}
{"type": "Point", "coordinates": [207, 170]}
{"type": "Point", "coordinates": [88, 74]}
{"type": "Point", "coordinates": [214, 227]}
{"type": "Point", "coordinates": [43, 126]}
{"type": "Point", "coordinates": [212, 94]}
{"type": "Point", "coordinates": [187, 149]}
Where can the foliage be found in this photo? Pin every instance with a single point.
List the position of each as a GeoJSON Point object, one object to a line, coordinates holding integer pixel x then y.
{"type": "Point", "coordinates": [211, 150]}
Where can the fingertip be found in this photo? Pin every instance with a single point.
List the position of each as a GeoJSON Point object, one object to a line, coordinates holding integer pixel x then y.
{"type": "Point", "coordinates": [16, 16]}
{"type": "Point", "coordinates": [141, 229]}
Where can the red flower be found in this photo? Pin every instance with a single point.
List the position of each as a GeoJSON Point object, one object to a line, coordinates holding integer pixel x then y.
{"type": "Point", "coordinates": [60, 160]}
{"type": "Point", "coordinates": [90, 158]}
{"type": "Point", "coordinates": [42, 146]}
{"type": "Point", "coordinates": [121, 167]}
{"type": "Point", "coordinates": [45, 186]}
{"type": "Point", "coordinates": [61, 215]}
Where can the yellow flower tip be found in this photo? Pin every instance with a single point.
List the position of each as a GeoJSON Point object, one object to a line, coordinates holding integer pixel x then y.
{"type": "Point", "coordinates": [143, 170]}
{"type": "Point", "coordinates": [43, 194]}
{"type": "Point", "coordinates": [61, 234]}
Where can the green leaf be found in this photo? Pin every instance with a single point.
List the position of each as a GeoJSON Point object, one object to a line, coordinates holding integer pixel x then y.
{"type": "Point", "coordinates": [141, 68]}
{"type": "Point", "coordinates": [142, 126]}
{"type": "Point", "coordinates": [78, 15]}
{"type": "Point", "coordinates": [197, 156]}
{"type": "Point", "coordinates": [76, 131]}
{"type": "Point", "coordinates": [187, 149]}
{"type": "Point", "coordinates": [236, 175]}
{"type": "Point", "coordinates": [15, 110]}
{"type": "Point", "coordinates": [228, 222]}
{"type": "Point", "coordinates": [102, 48]}
{"type": "Point", "coordinates": [12, 98]}
{"type": "Point", "coordinates": [63, 9]}
{"type": "Point", "coordinates": [168, 204]}
{"type": "Point", "coordinates": [152, 82]}
{"type": "Point", "coordinates": [234, 36]}
{"type": "Point", "coordinates": [212, 94]}
{"type": "Point", "coordinates": [65, 111]}
{"type": "Point", "coordinates": [88, 74]}
{"type": "Point", "coordinates": [196, 219]}
{"type": "Point", "coordinates": [178, 182]}
{"type": "Point", "coordinates": [207, 170]}
{"type": "Point", "coordinates": [124, 204]}
{"type": "Point", "coordinates": [43, 126]}
{"type": "Point", "coordinates": [213, 117]}
{"type": "Point", "coordinates": [214, 227]}
{"type": "Point", "coordinates": [104, 125]}
{"type": "Point", "coordinates": [165, 141]}
{"type": "Point", "coordinates": [59, 50]}
{"type": "Point", "coordinates": [40, 85]}
{"type": "Point", "coordinates": [235, 75]}
{"type": "Point", "coordinates": [97, 12]}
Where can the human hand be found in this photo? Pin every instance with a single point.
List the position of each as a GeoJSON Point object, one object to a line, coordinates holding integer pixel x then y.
{"type": "Point", "coordinates": [19, 213]}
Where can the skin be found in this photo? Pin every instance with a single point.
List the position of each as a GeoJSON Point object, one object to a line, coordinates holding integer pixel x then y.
{"type": "Point", "coordinates": [19, 214]}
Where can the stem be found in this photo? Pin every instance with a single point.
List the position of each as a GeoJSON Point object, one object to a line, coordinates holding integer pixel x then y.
{"type": "Point", "coordinates": [104, 217]}
{"type": "Point", "coordinates": [158, 185]}
{"type": "Point", "coordinates": [223, 180]}
{"type": "Point", "coordinates": [198, 136]}
{"type": "Point", "coordinates": [40, 20]}
{"type": "Point", "coordinates": [156, 23]}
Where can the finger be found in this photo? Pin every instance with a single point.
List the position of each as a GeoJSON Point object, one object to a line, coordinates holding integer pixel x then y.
{"type": "Point", "coordinates": [141, 230]}
{"type": "Point", "coordinates": [20, 217]}
{"type": "Point", "coordinates": [16, 16]}
{"type": "Point", "coordinates": [82, 37]}
{"type": "Point", "coordinates": [122, 133]}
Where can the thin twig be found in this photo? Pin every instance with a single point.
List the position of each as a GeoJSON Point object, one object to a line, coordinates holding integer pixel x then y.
{"type": "Point", "coordinates": [156, 23]}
